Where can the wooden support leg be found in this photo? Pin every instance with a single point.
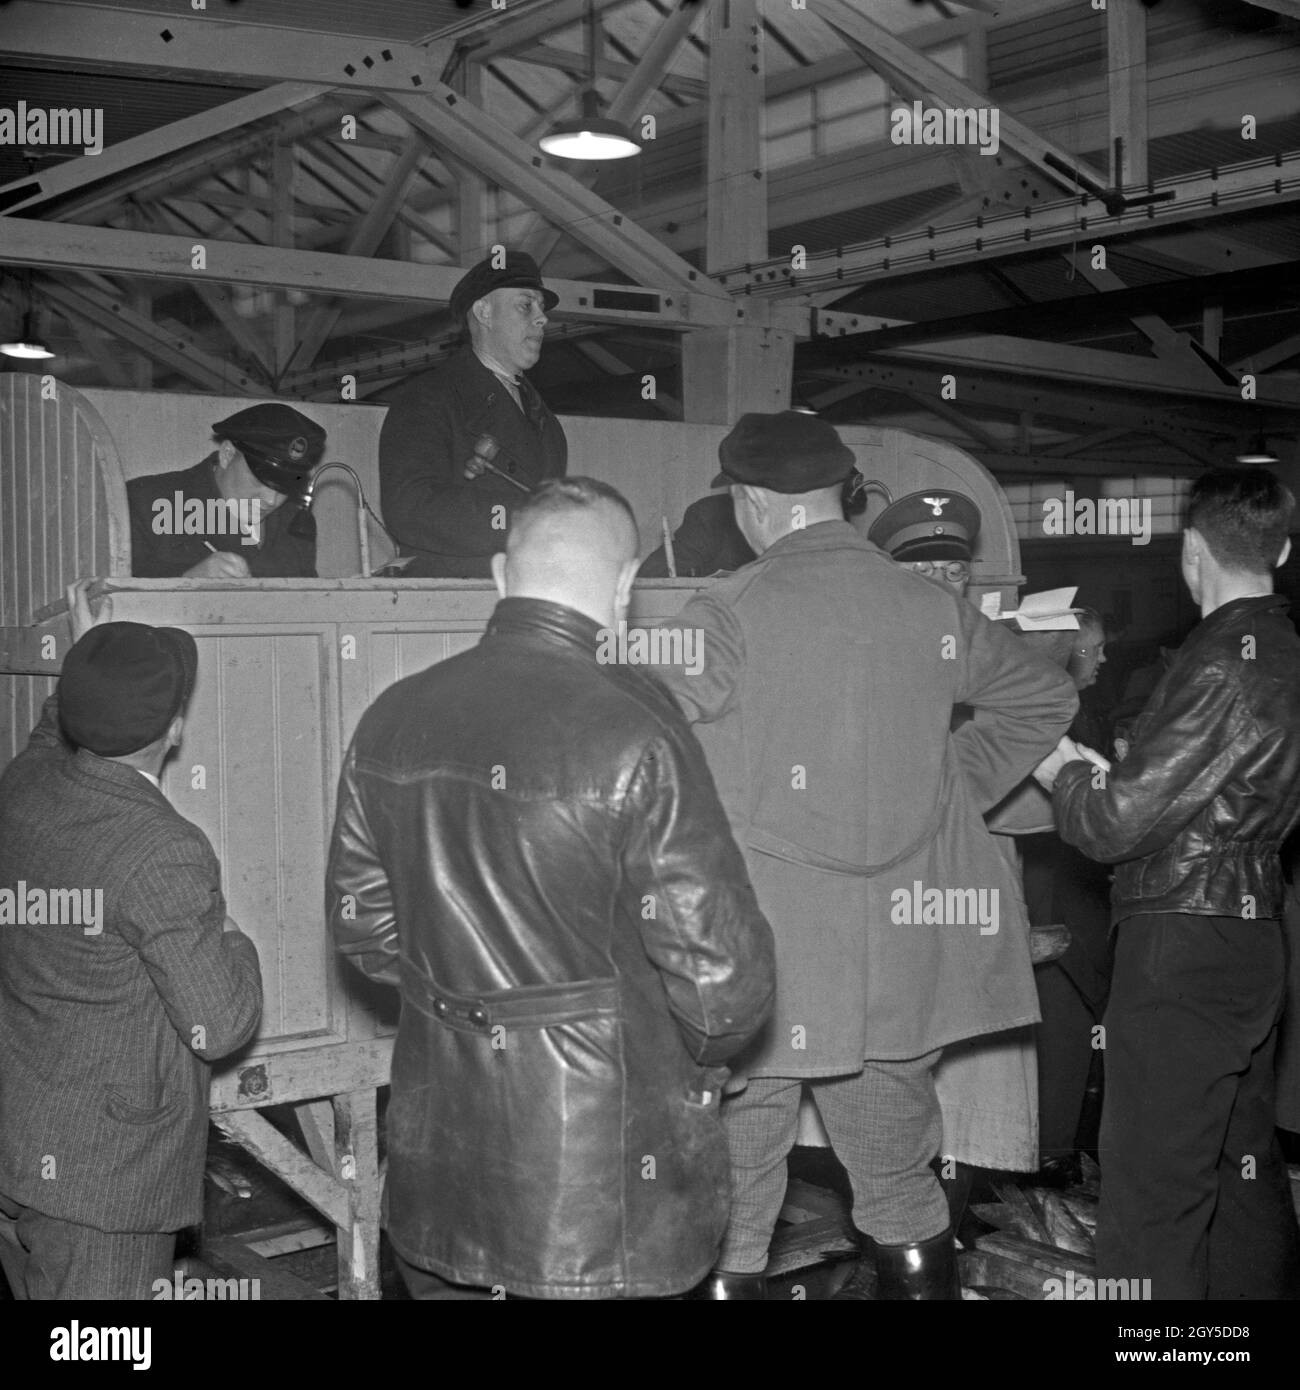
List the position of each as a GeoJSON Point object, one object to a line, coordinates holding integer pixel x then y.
{"type": "Point", "coordinates": [316, 1120]}
{"type": "Point", "coordinates": [356, 1147]}
{"type": "Point", "coordinates": [287, 1162]}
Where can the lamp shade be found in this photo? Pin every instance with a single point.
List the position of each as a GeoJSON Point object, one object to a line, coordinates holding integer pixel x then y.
{"type": "Point", "coordinates": [28, 344]}
{"type": "Point", "coordinates": [589, 136]}
{"type": "Point", "coordinates": [1257, 451]}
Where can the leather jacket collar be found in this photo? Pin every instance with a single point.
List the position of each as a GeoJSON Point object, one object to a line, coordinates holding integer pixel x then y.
{"type": "Point", "coordinates": [1233, 611]}
{"type": "Point", "coordinates": [536, 617]}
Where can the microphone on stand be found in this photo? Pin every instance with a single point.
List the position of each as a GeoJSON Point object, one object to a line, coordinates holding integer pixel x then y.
{"type": "Point", "coordinates": [301, 525]}
{"type": "Point", "coordinates": [485, 450]}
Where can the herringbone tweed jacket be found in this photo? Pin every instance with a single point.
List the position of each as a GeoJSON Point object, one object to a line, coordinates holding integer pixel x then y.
{"type": "Point", "coordinates": [106, 1037]}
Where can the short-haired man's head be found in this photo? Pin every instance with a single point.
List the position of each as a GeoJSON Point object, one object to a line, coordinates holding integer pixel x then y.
{"type": "Point", "coordinates": [1243, 515]}
{"type": "Point", "coordinates": [570, 532]}
{"type": "Point", "coordinates": [564, 497]}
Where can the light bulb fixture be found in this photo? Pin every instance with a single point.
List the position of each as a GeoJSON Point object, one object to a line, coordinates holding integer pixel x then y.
{"type": "Point", "coordinates": [28, 344]}
{"type": "Point", "coordinates": [590, 136]}
{"type": "Point", "coordinates": [1257, 451]}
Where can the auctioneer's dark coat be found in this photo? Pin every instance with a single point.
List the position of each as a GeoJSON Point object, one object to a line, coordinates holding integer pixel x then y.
{"type": "Point", "coordinates": [452, 524]}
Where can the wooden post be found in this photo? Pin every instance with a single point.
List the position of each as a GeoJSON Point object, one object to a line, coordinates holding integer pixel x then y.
{"type": "Point", "coordinates": [284, 163]}
{"type": "Point", "coordinates": [356, 1148]}
{"type": "Point", "coordinates": [1126, 81]}
{"type": "Point", "coordinates": [473, 234]}
{"type": "Point", "coordinates": [737, 189]}
{"type": "Point", "coordinates": [730, 371]}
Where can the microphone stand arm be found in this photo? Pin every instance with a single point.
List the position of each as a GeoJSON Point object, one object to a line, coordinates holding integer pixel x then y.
{"type": "Point", "coordinates": [363, 531]}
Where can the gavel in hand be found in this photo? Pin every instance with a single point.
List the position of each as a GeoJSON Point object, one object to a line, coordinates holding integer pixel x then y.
{"type": "Point", "coordinates": [485, 450]}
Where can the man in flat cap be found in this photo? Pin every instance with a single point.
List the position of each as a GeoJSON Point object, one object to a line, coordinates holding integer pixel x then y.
{"type": "Point", "coordinates": [225, 518]}
{"type": "Point", "coordinates": [823, 704]}
{"type": "Point", "coordinates": [464, 443]}
{"type": "Point", "coordinates": [121, 978]}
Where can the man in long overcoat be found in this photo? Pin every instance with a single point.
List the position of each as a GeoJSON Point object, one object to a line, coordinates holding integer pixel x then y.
{"type": "Point", "coordinates": [529, 845]}
{"type": "Point", "coordinates": [823, 702]}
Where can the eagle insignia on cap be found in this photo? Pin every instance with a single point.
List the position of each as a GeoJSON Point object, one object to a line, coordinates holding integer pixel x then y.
{"type": "Point", "coordinates": [937, 504]}
{"type": "Point", "coordinates": [298, 449]}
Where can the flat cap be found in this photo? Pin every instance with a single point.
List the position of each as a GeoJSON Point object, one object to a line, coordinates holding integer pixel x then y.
{"type": "Point", "coordinates": [281, 445]}
{"type": "Point", "coordinates": [788, 451]}
{"type": "Point", "coordinates": [123, 684]}
{"type": "Point", "coordinates": [936, 524]}
{"type": "Point", "coordinates": [519, 271]}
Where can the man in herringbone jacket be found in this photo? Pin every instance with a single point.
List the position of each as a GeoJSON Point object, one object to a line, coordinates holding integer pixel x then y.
{"type": "Point", "coordinates": [121, 978]}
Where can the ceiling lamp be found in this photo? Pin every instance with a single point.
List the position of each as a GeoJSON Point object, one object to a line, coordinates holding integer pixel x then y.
{"type": "Point", "coordinates": [28, 345]}
{"type": "Point", "coordinates": [1257, 452]}
{"type": "Point", "coordinates": [590, 136]}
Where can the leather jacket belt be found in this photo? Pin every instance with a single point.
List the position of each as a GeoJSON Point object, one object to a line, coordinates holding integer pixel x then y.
{"type": "Point", "coordinates": [530, 1006]}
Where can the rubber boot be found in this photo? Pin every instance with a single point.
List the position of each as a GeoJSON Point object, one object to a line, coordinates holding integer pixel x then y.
{"type": "Point", "coordinates": [914, 1272]}
{"type": "Point", "coordinates": [722, 1285]}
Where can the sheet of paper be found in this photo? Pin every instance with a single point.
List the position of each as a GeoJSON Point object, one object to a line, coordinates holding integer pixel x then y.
{"type": "Point", "coordinates": [1048, 611]}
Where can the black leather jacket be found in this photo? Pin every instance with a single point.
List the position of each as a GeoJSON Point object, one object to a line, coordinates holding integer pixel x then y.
{"type": "Point", "coordinates": [530, 845]}
{"type": "Point", "coordinates": [1195, 816]}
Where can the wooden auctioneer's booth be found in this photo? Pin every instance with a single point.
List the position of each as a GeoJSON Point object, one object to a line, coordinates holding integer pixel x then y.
{"type": "Point", "coordinates": [286, 668]}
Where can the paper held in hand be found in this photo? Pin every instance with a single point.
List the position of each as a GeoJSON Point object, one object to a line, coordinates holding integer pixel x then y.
{"type": "Point", "coordinates": [1050, 611]}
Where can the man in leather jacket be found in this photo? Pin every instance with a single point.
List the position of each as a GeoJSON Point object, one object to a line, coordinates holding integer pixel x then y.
{"type": "Point", "coordinates": [529, 845]}
{"type": "Point", "coordinates": [1194, 1188]}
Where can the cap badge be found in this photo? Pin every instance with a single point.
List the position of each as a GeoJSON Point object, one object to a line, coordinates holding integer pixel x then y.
{"type": "Point", "coordinates": [937, 504]}
{"type": "Point", "coordinates": [298, 450]}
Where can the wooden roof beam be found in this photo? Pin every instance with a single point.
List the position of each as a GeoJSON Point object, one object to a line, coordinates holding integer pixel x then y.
{"type": "Point", "coordinates": [577, 65]}
{"type": "Point", "coordinates": [470, 133]}
{"type": "Point", "coordinates": [164, 341]}
{"type": "Point", "coordinates": [1052, 161]}
{"type": "Point", "coordinates": [208, 47]}
{"type": "Point", "coordinates": [364, 241]}
{"type": "Point", "coordinates": [36, 190]}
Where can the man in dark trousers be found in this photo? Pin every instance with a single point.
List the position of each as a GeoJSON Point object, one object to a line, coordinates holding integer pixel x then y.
{"type": "Point", "coordinates": [1194, 1192]}
{"type": "Point", "coordinates": [823, 703]}
{"type": "Point", "coordinates": [529, 845]}
{"type": "Point", "coordinates": [464, 443]}
{"type": "Point", "coordinates": [226, 517]}
{"type": "Point", "coordinates": [121, 979]}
